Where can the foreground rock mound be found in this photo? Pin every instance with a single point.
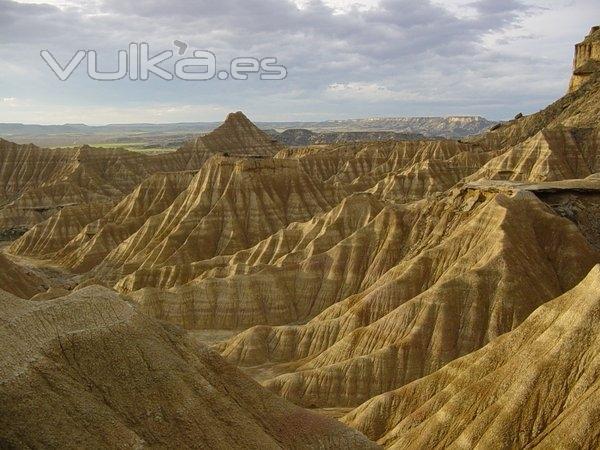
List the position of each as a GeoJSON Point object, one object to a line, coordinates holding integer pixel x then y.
{"type": "Point", "coordinates": [536, 386]}
{"type": "Point", "coordinates": [89, 371]}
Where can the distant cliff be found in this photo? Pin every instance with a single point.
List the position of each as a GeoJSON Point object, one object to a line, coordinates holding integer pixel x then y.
{"type": "Point", "coordinates": [301, 136]}
{"type": "Point", "coordinates": [443, 127]}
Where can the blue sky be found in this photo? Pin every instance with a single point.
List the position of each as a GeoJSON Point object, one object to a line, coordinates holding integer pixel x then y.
{"type": "Point", "coordinates": [345, 59]}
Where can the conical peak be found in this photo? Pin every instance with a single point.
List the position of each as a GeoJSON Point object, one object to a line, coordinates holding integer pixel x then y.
{"type": "Point", "coordinates": [237, 135]}
{"type": "Point", "coordinates": [237, 120]}
{"type": "Point", "coordinates": [237, 116]}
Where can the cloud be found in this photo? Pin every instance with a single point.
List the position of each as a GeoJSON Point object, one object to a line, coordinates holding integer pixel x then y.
{"type": "Point", "coordinates": [403, 56]}
{"type": "Point", "coordinates": [367, 92]}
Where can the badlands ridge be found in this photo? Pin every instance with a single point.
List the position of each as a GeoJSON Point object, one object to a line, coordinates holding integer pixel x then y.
{"type": "Point", "coordinates": [426, 293]}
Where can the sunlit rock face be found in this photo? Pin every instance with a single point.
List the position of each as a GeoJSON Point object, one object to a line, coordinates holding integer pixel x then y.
{"type": "Point", "coordinates": [587, 59]}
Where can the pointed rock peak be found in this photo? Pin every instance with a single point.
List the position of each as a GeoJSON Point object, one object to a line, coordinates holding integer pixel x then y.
{"type": "Point", "coordinates": [237, 120]}
{"type": "Point", "coordinates": [237, 116]}
{"type": "Point", "coordinates": [238, 136]}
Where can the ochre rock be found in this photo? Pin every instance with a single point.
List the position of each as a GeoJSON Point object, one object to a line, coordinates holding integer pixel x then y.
{"type": "Point", "coordinates": [536, 386]}
{"type": "Point", "coordinates": [587, 59]}
{"type": "Point", "coordinates": [89, 371]}
{"type": "Point", "coordinates": [18, 280]}
{"type": "Point", "coordinates": [461, 271]}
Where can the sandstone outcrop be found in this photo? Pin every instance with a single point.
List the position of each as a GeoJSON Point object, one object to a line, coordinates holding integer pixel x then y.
{"type": "Point", "coordinates": [587, 59]}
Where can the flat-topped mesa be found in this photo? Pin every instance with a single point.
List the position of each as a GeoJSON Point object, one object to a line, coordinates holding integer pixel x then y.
{"type": "Point", "coordinates": [237, 135]}
{"type": "Point", "coordinates": [587, 59]}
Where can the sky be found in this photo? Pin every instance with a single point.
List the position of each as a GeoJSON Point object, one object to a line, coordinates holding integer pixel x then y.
{"type": "Point", "coordinates": [344, 58]}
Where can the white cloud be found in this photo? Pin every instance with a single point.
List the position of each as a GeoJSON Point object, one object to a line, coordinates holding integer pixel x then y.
{"type": "Point", "coordinates": [11, 102]}
{"type": "Point", "coordinates": [368, 92]}
{"type": "Point", "coordinates": [42, 113]}
{"type": "Point", "coordinates": [399, 57]}
{"type": "Point", "coordinates": [342, 6]}
{"type": "Point", "coordinates": [460, 8]}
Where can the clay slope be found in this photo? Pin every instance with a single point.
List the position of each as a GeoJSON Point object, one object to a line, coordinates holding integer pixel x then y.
{"type": "Point", "coordinates": [88, 370]}
{"type": "Point", "coordinates": [18, 280]}
{"type": "Point", "coordinates": [456, 273]}
{"type": "Point", "coordinates": [536, 386]}
{"type": "Point", "coordinates": [395, 171]}
{"type": "Point", "coordinates": [578, 109]}
{"type": "Point", "coordinates": [39, 182]}
{"type": "Point", "coordinates": [230, 205]}
{"type": "Point", "coordinates": [552, 154]}
{"type": "Point", "coordinates": [291, 276]}
{"type": "Point", "coordinates": [80, 237]}
{"type": "Point", "coordinates": [51, 235]}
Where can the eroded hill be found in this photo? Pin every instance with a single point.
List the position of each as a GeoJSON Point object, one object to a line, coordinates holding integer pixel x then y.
{"type": "Point", "coordinates": [536, 386]}
{"type": "Point", "coordinates": [395, 274]}
{"type": "Point", "coordinates": [108, 376]}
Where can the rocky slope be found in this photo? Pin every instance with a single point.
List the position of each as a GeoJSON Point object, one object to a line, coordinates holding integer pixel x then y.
{"type": "Point", "coordinates": [551, 154]}
{"type": "Point", "coordinates": [449, 276]}
{"type": "Point", "coordinates": [109, 376]}
{"type": "Point", "coordinates": [396, 171]}
{"type": "Point", "coordinates": [230, 205]}
{"type": "Point", "coordinates": [79, 237]}
{"type": "Point", "coordinates": [536, 386]}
